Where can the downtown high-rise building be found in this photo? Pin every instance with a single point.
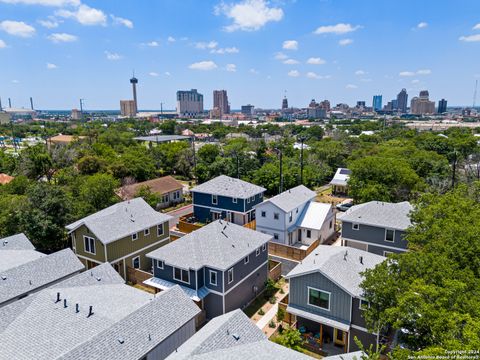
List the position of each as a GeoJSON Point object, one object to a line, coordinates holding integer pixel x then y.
{"type": "Point", "coordinates": [442, 106]}
{"type": "Point", "coordinates": [220, 102]}
{"type": "Point", "coordinates": [284, 103]}
{"type": "Point", "coordinates": [402, 101]}
{"type": "Point", "coordinates": [421, 105]}
{"type": "Point", "coordinates": [189, 102]}
{"type": "Point", "coordinates": [128, 108]}
{"type": "Point", "coordinates": [377, 103]}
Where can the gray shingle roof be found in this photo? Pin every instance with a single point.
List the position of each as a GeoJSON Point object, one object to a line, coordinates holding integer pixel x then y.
{"type": "Point", "coordinates": [342, 270]}
{"type": "Point", "coordinates": [16, 242]}
{"type": "Point", "coordinates": [226, 186]}
{"type": "Point", "coordinates": [120, 220]}
{"type": "Point", "coordinates": [16, 250]}
{"type": "Point", "coordinates": [218, 244]}
{"type": "Point", "coordinates": [382, 214]}
{"type": "Point", "coordinates": [32, 275]}
{"type": "Point", "coordinates": [216, 341]}
{"type": "Point", "coordinates": [292, 198]}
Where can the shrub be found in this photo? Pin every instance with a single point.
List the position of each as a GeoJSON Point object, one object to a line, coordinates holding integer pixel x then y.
{"type": "Point", "coordinates": [261, 312]}
{"type": "Point", "coordinates": [271, 324]}
{"type": "Point", "coordinates": [272, 300]}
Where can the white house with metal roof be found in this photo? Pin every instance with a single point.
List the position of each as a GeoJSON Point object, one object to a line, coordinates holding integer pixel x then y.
{"type": "Point", "coordinates": [294, 217]}
{"type": "Point", "coordinates": [340, 181]}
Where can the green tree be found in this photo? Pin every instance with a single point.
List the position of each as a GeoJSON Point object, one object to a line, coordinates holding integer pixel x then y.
{"type": "Point", "coordinates": [35, 162]}
{"type": "Point", "coordinates": [98, 192]}
{"type": "Point", "coordinates": [290, 338]}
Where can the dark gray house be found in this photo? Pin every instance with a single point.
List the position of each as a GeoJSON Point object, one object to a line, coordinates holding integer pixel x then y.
{"type": "Point", "coordinates": [326, 299]}
{"type": "Point", "coordinates": [226, 198]}
{"type": "Point", "coordinates": [377, 227]}
{"type": "Point", "coordinates": [221, 266]}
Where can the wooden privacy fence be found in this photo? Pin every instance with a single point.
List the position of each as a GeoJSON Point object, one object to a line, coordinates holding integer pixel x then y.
{"type": "Point", "coordinates": [274, 270]}
{"type": "Point", "coordinates": [137, 276]}
{"type": "Point", "coordinates": [291, 252]}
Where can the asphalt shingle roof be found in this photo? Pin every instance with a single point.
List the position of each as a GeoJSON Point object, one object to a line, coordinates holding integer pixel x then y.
{"type": "Point", "coordinates": [120, 220]}
{"type": "Point", "coordinates": [16, 250]}
{"type": "Point", "coordinates": [292, 198]}
{"type": "Point", "coordinates": [219, 244]}
{"type": "Point", "coordinates": [32, 275]}
{"type": "Point", "coordinates": [16, 242]}
{"type": "Point", "coordinates": [382, 214]}
{"type": "Point", "coordinates": [340, 264]}
{"type": "Point", "coordinates": [226, 186]}
{"type": "Point", "coordinates": [217, 341]}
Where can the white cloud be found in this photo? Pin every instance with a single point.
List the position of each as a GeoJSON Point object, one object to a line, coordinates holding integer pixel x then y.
{"type": "Point", "coordinates": [312, 75]}
{"type": "Point", "coordinates": [61, 37]}
{"type": "Point", "coordinates": [290, 62]}
{"type": "Point", "coordinates": [121, 21]}
{"type": "Point", "coordinates": [85, 15]}
{"type": "Point", "coordinates": [3, 44]}
{"type": "Point", "coordinates": [249, 15]}
{"type": "Point", "coordinates": [413, 73]}
{"type": "Point", "coordinates": [315, 61]}
{"type": "Point", "coordinates": [203, 65]}
{"type": "Point", "coordinates": [17, 28]}
{"type": "Point", "coordinates": [345, 42]}
{"type": "Point", "coordinates": [153, 73]}
{"type": "Point", "coordinates": [166, 73]}
{"type": "Point", "coordinates": [112, 56]}
{"type": "Point", "coordinates": [56, 3]}
{"type": "Point", "coordinates": [49, 24]}
{"type": "Point", "coordinates": [470, 38]}
{"type": "Point", "coordinates": [152, 44]}
{"type": "Point", "coordinates": [206, 45]}
{"type": "Point", "coordinates": [231, 67]}
{"type": "Point", "coordinates": [415, 81]}
{"type": "Point", "coordinates": [476, 27]}
{"type": "Point", "coordinates": [424, 72]}
{"type": "Point", "coordinates": [280, 56]}
{"type": "Point", "coordinates": [366, 80]}
{"type": "Point", "coordinates": [51, 66]}
{"type": "Point", "coordinates": [228, 50]}
{"type": "Point", "coordinates": [254, 71]}
{"type": "Point", "coordinates": [293, 73]}
{"type": "Point", "coordinates": [360, 72]}
{"type": "Point", "coordinates": [422, 25]}
{"type": "Point", "coordinates": [290, 45]}
{"type": "Point", "coordinates": [337, 29]}
{"type": "Point", "coordinates": [171, 39]}
{"type": "Point", "coordinates": [351, 86]}
{"type": "Point", "coordinates": [15, 81]}
{"type": "Point", "coordinates": [406, 73]}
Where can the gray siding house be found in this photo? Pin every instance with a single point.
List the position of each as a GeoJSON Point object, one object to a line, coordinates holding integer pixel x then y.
{"type": "Point", "coordinates": [221, 266]}
{"type": "Point", "coordinates": [326, 299]}
{"type": "Point", "coordinates": [377, 227]}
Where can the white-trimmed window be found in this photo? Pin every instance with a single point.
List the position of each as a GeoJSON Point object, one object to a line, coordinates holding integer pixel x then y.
{"type": "Point", "coordinates": [146, 232]}
{"type": "Point", "coordinates": [331, 224]}
{"type": "Point", "coordinates": [363, 304]}
{"type": "Point", "coordinates": [355, 226]}
{"type": "Point", "coordinates": [213, 277]}
{"type": "Point", "coordinates": [253, 198]}
{"type": "Point", "coordinates": [276, 216]}
{"type": "Point", "coordinates": [263, 213]}
{"type": "Point", "coordinates": [181, 275]}
{"type": "Point", "coordinates": [389, 235]}
{"type": "Point", "coordinates": [89, 244]}
{"type": "Point", "coordinates": [319, 298]}
{"type": "Point", "coordinates": [275, 236]}
{"type": "Point", "coordinates": [160, 230]}
{"type": "Point", "coordinates": [134, 236]}
{"type": "Point", "coordinates": [309, 234]}
{"type": "Point", "coordinates": [234, 200]}
{"type": "Point", "coordinates": [248, 200]}
{"type": "Point", "coordinates": [257, 252]}
{"type": "Point", "coordinates": [160, 264]}
{"type": "Point", "coordinates": [165, 198]}
{"type": "Point", "coordinates": [230, 275]}
{"type": "Point", "coordinates": [246, 260]}
{"type": "Point", "coordinates": [386, 253]}
{"type": "Point", "coordinates": [214, 199]}
{"type": "Point", "coordinates": [136, 262]}
{"type": "Point", "coordinates": [290, 217]}
{"type": "Point", "coordinates": [264, 247]}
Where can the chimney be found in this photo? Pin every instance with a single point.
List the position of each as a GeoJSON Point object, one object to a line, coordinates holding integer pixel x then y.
{"type": "Point", "coordinates": [77, 308]}
{"type": "Point", "coordinates": [64, 303]}
{"type": "Point", "coordinates": [58, 298]}
{"type": "Point", "coordinates": [90, 311]}
{"type": "Point", "coordinates": [361, 260]}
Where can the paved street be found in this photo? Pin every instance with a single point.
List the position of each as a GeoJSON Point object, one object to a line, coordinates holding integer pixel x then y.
{"type": "Point", "coordinates": [187, 209]}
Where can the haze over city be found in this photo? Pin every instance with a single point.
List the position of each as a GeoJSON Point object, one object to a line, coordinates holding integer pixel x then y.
{"type": "Point", "coordinates": [58, 51]}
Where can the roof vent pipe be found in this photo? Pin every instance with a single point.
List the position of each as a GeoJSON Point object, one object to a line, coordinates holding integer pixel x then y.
{"type": "Point", "coordinates": [90, 311]}
{"type": "Point", "coordinates": [58, 298]}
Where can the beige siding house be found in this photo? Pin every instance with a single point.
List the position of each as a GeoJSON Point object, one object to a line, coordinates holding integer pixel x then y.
{"type": "Point", "coordinates": [121, 234]}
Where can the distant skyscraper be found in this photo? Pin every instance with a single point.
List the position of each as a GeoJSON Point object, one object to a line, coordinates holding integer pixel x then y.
{"type": "Point", "coordinates": [284, 103]}
{"type": "Point", "coordinates": [402, 99]}
{"type": "Point", "coordinates": [377, 102]}
{"type": "Point", "coordinates": [76, 114]}
{"type": "Point", "coordinates": [442, 106]}
{"type": "Point", "coordinates": [360, 103]}
{"type": "Point", "coordinates": [325, 104]}
{"type": "Point", "coordinates": [247, 110]}
{"type": "Point", "coordinates": [189, 102]}
{"type": "Point", "coordinates": [134, 82]}
{"type": "Point", "coordinates": [220, 101]}
{"type": "Point", "coordinates": [128, 108]}
{"type": "Point", "coordinates": [422, 105]}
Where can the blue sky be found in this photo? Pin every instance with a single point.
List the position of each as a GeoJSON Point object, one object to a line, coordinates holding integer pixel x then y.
{"type": "Point", "coordinates": [343, 50]}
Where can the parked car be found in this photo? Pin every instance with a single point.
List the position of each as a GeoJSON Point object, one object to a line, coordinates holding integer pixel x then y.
{"type": "Point", "coordinates": [344, 206]}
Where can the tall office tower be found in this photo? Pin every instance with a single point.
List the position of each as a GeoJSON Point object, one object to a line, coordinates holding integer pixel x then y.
{"type": "Point", "coordinates": [402, 99]}
{"type": "Point", "coordinates": [248, 110]}
{"type": "Point", "coordinates": [76, 114]}
{"type": "Point", "coordinates": [422, 105]}
{"type": "Point", "coordinates": [220, 101]}
{"type": "Point", "coordinates": [284, 103]}
{"type": "Point", "coordinates": [134, 82]}
{"type": "Point", "coordinates": [128, 108]}
{"type": "Point", "coordinates": [442, 106]}
{"type": "Point", "coordinates": [377, 102]}
{"type": "Point", "coordinates": [189, 102]}
{"type": "Point", "coordinates": [360, 104]}
{"type": "Point", "coordinates": [325, 104]}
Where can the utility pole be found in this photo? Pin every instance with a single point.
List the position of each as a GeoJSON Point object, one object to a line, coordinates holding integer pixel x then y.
{"type": "Point", "coordinates": [194, 160]}
{"type": "Point", "coordinates": [302, 139]}
{"type": "Point", "coordinates": [238, 165]}
{"type": "Point", "coordinates": [281, 169]}
{"type": "Point", "coordinates": [454, 167]}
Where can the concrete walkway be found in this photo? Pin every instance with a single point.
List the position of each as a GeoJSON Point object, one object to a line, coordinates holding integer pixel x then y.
{"type": "Point", "coordinates": [265, 319]}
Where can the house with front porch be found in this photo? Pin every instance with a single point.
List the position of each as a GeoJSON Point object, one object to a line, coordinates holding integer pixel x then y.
{"type": "Point", "coordinates": [377, 227]}
{"type": "Point", "coordinates": [325, 299]}
{"type": "Point", "coordinates": [121, 234]}
{"type": "Point", "coordinates": [339, 181]}
{"type": "Point", "coordinates": [221, 266]}
{"type": "Point", "coordinates": [226, 198]}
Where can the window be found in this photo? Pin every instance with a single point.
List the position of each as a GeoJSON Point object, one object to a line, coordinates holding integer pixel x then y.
{"type": "Point", "coordinates": [248, 200]}
{"type": "Point", "coordinates": [264, 214]}
{"type": "Point", "coordinates": [214, 199]}
{"type": "Point", "coordinates": [253, 198]}
{"type": "Point", "coordinates": [386, 253]}
{"type": "Point", "coordinates": [319, 298]}
{"type": "Point", "coordinates": [309, 234]}
{"type": "Point", "coordinates": [160, 230]}
{"type": "Point", "coordinates": [181, 275]}
{"type": "Point", "coordinates": [296, 211]}
{"type": "Point", "coordinates": [165, 198]}
{"type": "Point", "coordinates": [389, 235]}
{"type": "Point", "coordinates": [264, 247]}
{"type": "Point", "coordinates": [234, 200]}
{"type": "Point", "coordinates": [136, 262]}
{"type": "Point", "coordinates": [355, 226]}
{"type": "Point", "coordinates": [230, 275]}
{"type": "Point", "coordinates": [246, 260]}
{"type": "Point", "coordinates": [363, 304]}
{"type": "Point", "coordinates": [135, 236]}
{"type": "Point", "coordinates": [89, 244]}
{"type": "Point", "coordinates": [290, 217]}
{"type": "Point", "coordinates": [160, 264]}
{"type": "Point", "coordinates": [257, 252]}
{"type": "Point", "coordinates": [146, 232]}
{"type": "Point", "coordinates": [213, 277]}
{"type": "Point", "coordinates": [275, 236]}
{"type": "Point", "coordinates": [276, 216]}
{"type": "Point", "coordinates": [176, 195]}
{"type": "Point", "coordinates": [331, 224]}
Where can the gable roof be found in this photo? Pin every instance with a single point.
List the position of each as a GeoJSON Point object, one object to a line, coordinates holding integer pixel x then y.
{"type": "Point", "coordinates": [120, 220]}
{"type": "Point", "coordinates": [28, 277]}
{"type": "Point", "coordinates": [16, 242]}
{"type": "Point", "coordinates": [292, 198]}
{"type": "Point", "coordinates": [381, 214]}
{"type": "Point", "coordinates": [60, 138]}
{"type": "Point", "coordinates": [227, 186]}
{"type": "Point", "coordinates": [160, 186]}
{"type": "Point", "coordinates": [314, 215]}
{"type": "Point", "coordinates": [217, 340]}
{"type": "Point", "coordinates": [5, 179]}
{"type": "Point", "coordinates": [219, 245]}
{"type": "Point", "coordinates": [340, 264]}
{"type": "Point", "coordinates": [341, 177]}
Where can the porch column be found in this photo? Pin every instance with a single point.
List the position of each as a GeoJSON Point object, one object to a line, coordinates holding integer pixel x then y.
{"type": "Point", "coordinates": [321, 335]}
{"type": "Point", "coordinates": [345, 346]}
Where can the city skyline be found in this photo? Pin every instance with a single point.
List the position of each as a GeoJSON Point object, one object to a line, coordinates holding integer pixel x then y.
{"type": "Point", "coordinates": [58, 51]}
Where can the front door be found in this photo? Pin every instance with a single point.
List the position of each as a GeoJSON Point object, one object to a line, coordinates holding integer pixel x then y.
{"type": "Point", "coordinates": [339, 337]}
{"type": "Point", "coordinates": [229, 216]}
{"type": "Point", "coordinates": [299, 235]}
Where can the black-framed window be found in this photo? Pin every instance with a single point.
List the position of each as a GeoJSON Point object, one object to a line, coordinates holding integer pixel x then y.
{"type": "Point", "coordinates": [319, 298]}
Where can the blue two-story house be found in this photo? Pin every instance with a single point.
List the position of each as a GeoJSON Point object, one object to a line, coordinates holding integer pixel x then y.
{"type": "Point", "coordinates": [377, 227]}
{"type": "Point", "coordinates": [325, 297]}
{"type": "Point", "coordinates": [226, 198]}
{"type": "Point", "coordinates": [221, 266]}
